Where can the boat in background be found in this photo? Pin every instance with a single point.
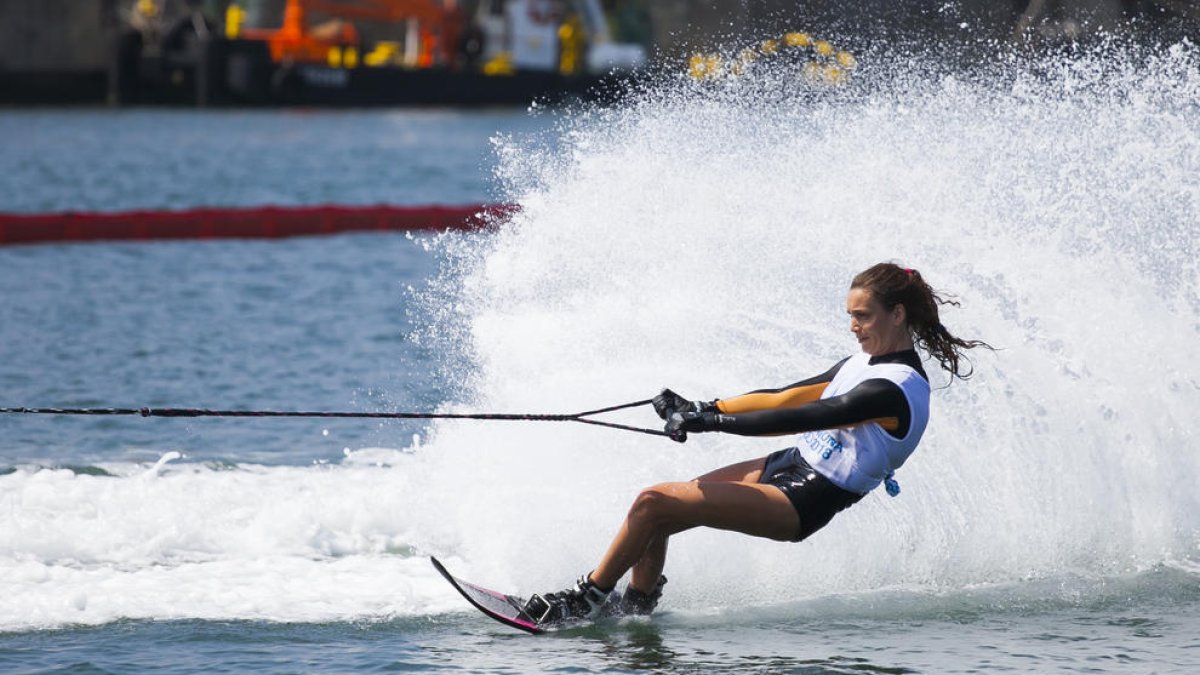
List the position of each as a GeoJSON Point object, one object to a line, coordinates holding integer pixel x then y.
{"type": "Point", "coordinates": [373, 52]}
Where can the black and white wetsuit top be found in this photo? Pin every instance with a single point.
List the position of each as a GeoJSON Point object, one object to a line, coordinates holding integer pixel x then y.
{"type": "Point", "coordinates": [857, 423]}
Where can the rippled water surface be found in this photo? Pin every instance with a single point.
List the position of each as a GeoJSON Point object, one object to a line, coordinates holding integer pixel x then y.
{"type": "Point", "coordinates": [700, 237]}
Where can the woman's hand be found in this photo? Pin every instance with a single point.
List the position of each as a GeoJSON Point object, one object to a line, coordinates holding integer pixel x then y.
{"type": "Point", "coordinates": [679, 423]}
{"type": "Point", "coordinates": [669, 402]}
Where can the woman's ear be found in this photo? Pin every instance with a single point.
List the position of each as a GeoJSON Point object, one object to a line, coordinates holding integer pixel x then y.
{"type": "Point", "coordinates": [899, 314]}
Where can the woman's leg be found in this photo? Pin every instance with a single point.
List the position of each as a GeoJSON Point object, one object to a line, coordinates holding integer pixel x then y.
{"type": "Point", "coordinates": [729, 499]}
{"type": "Point", "coordinates": [741, 472]}
{"type": "Point", "coordinates": [649, 567]}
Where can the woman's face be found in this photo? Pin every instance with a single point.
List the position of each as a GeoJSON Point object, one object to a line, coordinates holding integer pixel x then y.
{"type": "Point", "coordinates": [879, 331]}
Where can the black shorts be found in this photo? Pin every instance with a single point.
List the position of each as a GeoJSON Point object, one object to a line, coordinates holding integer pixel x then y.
{"type": "Point", "coordinates": [814, 497]}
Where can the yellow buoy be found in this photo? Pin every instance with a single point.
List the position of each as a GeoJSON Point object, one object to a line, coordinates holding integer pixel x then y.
{"type": "Point", "coordinates": [797, 39]}
{"type": "Point", "coordinates": [704, 66]}
{"type": "Point", "coordinates": [822, 62]}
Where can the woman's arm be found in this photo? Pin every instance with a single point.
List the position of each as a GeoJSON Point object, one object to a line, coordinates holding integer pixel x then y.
{"type": "Point", "coordinates": [791, 396]}
{"type": "Point", "coordinates": [876, 400]}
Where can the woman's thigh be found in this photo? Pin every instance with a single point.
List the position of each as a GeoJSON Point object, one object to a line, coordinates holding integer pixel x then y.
{"type": "Point", "coordinates": [750, 508]}
{"type": "Point", "coordinates": [742, 472]}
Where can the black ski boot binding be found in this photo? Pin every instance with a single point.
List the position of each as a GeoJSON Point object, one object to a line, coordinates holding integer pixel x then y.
{"type": "Point", "coordinates": [582, 601]}
{"type": "Point", "coordinates": [636, 603]}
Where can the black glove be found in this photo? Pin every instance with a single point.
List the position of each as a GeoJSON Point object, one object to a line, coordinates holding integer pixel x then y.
{"type": "Point", "coordinates": [668, 402]}
{"type": "Point", "coordinates": [679, 423]}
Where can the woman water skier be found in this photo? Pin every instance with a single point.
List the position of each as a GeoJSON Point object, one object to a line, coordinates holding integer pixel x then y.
{"type": "Point", "coordinates": [858, 422]}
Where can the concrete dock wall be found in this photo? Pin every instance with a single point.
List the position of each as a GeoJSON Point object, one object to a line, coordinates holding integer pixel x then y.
{"type": "Point", "coordinates": [56, 35]}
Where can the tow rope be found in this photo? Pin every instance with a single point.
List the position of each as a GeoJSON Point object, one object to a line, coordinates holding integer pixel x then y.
{"type": "Point", "coordinates": [582, 417]}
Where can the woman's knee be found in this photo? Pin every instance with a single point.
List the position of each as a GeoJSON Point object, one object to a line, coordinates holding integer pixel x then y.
{"type": "Point", "coordinates": [654, 504]}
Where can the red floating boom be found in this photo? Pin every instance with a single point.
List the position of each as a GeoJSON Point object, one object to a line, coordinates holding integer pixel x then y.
{"type": "Point", "coordinates": [247, 223]}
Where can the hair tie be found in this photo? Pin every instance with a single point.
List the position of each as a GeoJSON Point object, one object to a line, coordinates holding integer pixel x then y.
{"type": "Point", "coordinates": [908, 271]}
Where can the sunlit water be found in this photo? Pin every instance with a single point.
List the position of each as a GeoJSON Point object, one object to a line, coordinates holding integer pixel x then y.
{"type": "Point", "coordinates": [702, 239]}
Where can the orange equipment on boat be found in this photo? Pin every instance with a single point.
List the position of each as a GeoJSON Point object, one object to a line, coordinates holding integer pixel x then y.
{"type": "Point", "coordinates": [296, 42]}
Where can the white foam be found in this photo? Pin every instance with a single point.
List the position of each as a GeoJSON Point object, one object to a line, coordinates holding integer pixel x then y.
{"type": "Point", "coordinates": [706, 243]}
{"type": "Point", "coordinates": [274, 543]}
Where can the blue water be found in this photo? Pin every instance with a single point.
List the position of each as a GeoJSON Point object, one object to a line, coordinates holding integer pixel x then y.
{"type": "Point", "coordinates": [310, 324]}
{"type": "Point", "coordinates": [110, 160]}
{"type": "Point", "coordinates": [700, 239]}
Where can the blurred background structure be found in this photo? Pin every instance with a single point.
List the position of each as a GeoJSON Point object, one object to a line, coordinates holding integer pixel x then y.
{"type": "Point", "coordinates": [363, 52]}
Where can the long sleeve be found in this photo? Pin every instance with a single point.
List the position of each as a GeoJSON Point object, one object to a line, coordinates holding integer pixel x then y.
{"type": "Point", "coordinates": [875, 400]}
{"type": "Point", "coordinates": [800, 393]}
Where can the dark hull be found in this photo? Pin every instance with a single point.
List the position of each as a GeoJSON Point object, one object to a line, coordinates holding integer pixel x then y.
{"type": "Point", "coordinates": [241, 73]}
{"type": "Point", "coordinates": [52, 88]}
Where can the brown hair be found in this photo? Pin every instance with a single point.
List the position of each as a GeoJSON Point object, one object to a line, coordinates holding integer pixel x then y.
{"type": "Point", "coordinates": [894, 285]}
